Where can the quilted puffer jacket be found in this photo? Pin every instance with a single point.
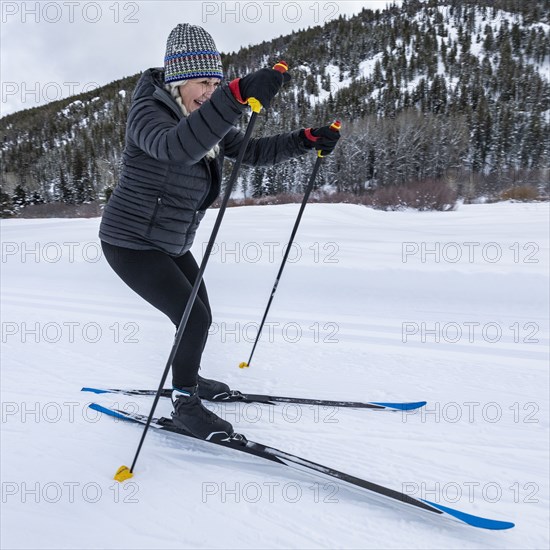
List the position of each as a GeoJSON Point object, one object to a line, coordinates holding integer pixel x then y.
{"type": "Point", "coordinates": [166, 182]}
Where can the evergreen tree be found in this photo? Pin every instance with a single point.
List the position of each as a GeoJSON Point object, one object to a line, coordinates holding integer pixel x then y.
{"type": "Point", "coordinates": [81, 180]}
{"type": "Point", "coordinates": [64, 192]}
{"type": "Point", "coordinates": [19, 198]}
{"type": "Point", "coordinates": [6, 205]}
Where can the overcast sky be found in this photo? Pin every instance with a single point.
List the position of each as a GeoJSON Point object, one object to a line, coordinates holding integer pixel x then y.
{"type": "Point", "coordinates": [54, 49]}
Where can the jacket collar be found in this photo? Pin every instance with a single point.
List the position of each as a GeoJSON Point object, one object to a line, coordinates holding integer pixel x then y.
{"type": "Point", "coordinates": [150, 84]}
{"type": "Point", "coordinates": [163, 96]}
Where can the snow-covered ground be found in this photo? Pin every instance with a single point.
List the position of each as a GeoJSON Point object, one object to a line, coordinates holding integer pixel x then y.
{"type": "Point", "coordinates": [451, 308]}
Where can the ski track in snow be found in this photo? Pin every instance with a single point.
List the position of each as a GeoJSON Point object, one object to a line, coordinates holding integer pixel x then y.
{"type": "Point", "coordinates": [342, 326]}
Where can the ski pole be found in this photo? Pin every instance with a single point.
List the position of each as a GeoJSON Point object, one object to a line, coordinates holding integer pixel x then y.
{"type": "Point", "coordinates": [336, 125]}
{"type": "Point", "coordinates": [124, 472]}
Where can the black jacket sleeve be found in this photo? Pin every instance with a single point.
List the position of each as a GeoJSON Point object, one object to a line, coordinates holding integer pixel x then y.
{"type": "Point", "coordinates": [154, 129]}
{"type": "Point", "coordinates": [265, 151]}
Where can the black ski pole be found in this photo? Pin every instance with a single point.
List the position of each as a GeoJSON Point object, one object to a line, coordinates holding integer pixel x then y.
{"type": "Point", "coordinates": [124, 472]}
{"type": "Point", "coordinates": [335, 126]}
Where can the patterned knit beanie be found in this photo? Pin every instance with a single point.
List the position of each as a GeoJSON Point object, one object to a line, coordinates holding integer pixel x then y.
{"type": "Point", "coordinates": [191, 53]}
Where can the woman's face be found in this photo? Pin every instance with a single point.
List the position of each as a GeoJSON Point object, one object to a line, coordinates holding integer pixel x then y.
{"type": "Point", "coordinates": [196, 91]}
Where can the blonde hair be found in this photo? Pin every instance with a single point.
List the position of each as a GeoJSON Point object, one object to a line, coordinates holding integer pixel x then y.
{"type": "Point", "coordinates": [174, 89]}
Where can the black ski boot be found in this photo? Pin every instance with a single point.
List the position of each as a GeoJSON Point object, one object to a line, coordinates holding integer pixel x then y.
{"type": "Point", "coordinates": [212, 389]}
{"type": "Point", "coordinates": [191, 415]}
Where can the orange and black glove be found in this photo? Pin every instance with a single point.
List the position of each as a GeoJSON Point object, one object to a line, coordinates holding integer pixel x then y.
{"type": "Point", "coordinates": [262, 85]}
{"type": "Point", "coordinates": [323, 139]}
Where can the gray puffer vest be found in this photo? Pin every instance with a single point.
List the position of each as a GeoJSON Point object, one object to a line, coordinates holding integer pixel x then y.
{"type": "Point", "coordinates": [166, 182]}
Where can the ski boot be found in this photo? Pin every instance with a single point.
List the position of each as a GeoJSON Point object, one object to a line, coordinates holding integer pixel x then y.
{"type": "Point", "coordinates": [212, 389]}
{"type": "Point", "coordinates": [192, 416]}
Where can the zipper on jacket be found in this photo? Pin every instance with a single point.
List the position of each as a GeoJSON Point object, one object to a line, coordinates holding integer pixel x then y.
{"type": "Point", "coordinates": [155, 211]}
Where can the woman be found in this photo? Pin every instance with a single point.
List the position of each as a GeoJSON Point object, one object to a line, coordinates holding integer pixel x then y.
{"type": "Point", "coordinates": [180, 126]}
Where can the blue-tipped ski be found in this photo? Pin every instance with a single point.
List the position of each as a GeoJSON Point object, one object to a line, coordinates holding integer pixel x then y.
{"type": "Point", "coordinates": [235, 395]}
{"type": "Point", "coordinates": [239, 443]}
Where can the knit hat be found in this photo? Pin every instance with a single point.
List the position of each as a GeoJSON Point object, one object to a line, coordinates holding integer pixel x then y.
{"type": "Point", "coordinates": [191, 53]}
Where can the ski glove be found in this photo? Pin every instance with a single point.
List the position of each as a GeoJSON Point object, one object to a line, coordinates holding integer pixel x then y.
{"type": "Point", "coordinates": [263, 85]}
{"type": "Point", "coordinates": [323, 139]}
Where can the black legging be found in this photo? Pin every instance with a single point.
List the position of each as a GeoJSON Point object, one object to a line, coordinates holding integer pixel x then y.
{"type": "Point", "coordinates": [166, 283]}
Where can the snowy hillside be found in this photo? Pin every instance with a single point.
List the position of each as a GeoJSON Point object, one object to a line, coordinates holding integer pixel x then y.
{"type": "Point", "coordinates": [446, 90]}
{"type": "Point", "coordinates": [451, 308]}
